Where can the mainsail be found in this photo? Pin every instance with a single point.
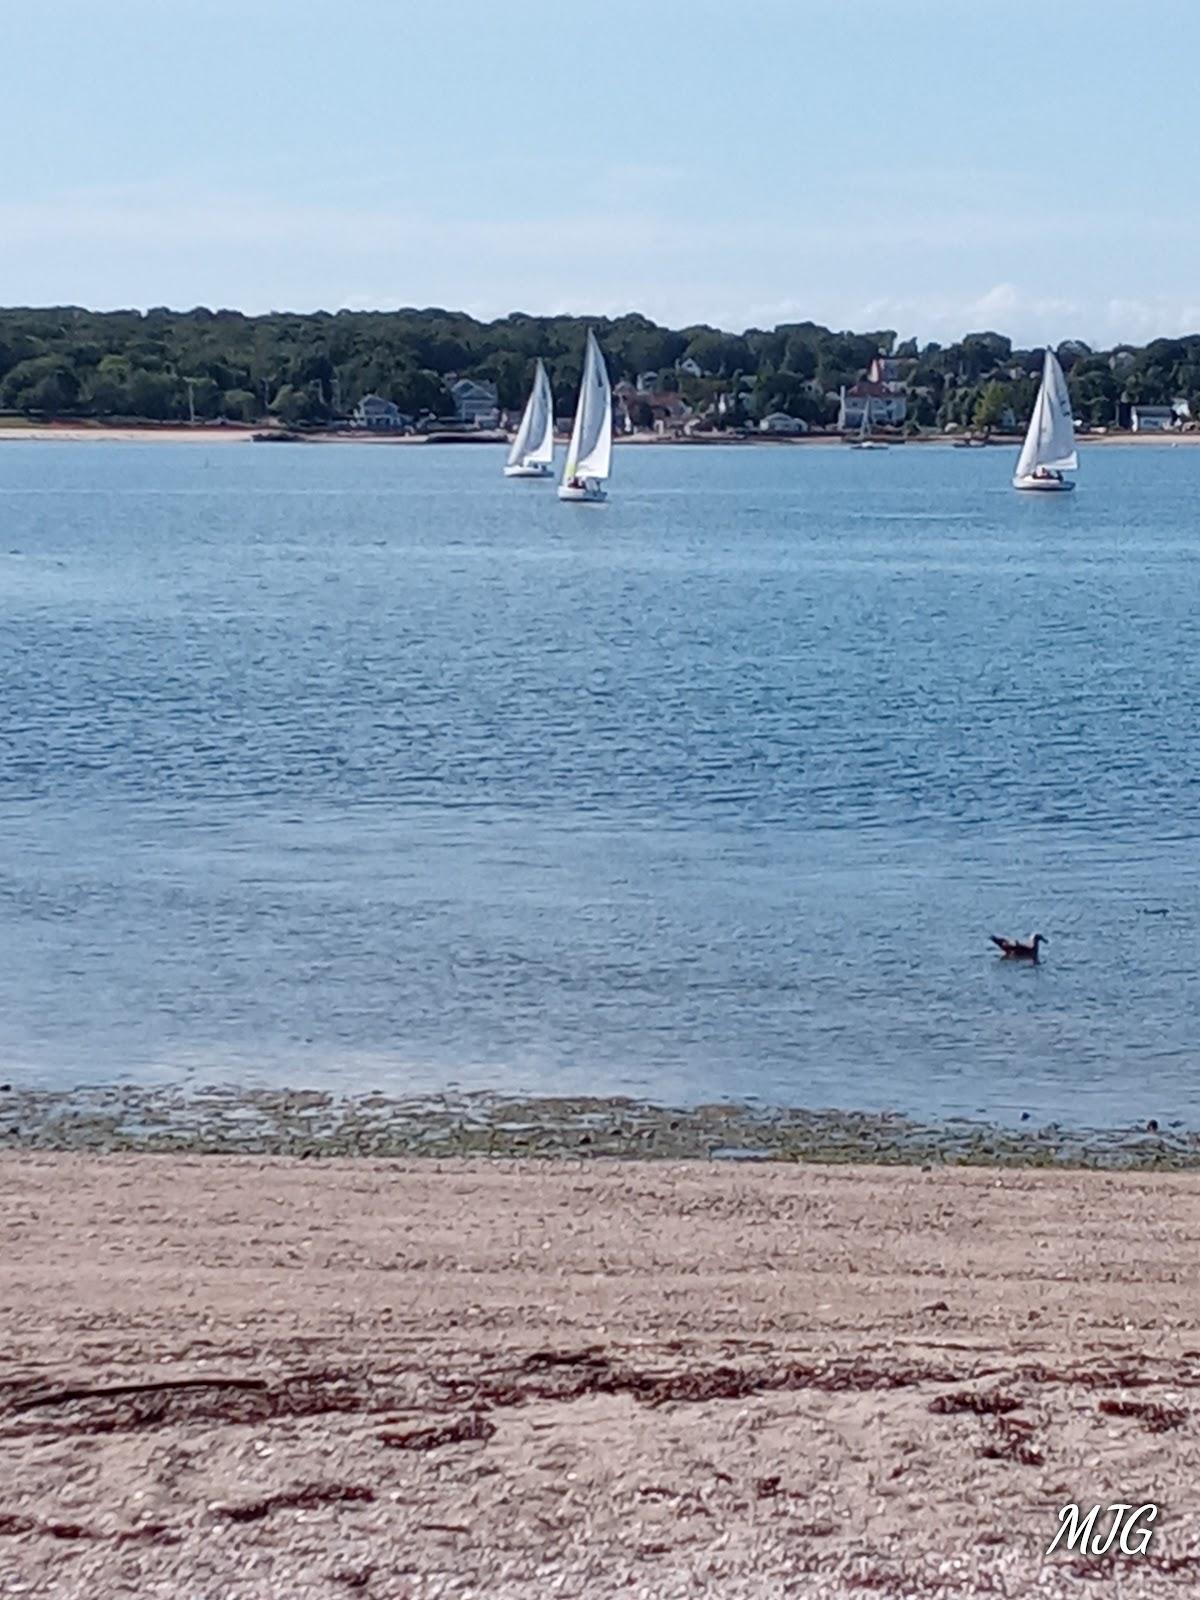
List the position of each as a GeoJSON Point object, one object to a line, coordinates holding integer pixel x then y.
{"type": "Point", "coordinates": [534, 444]}
{"type": "Point", "coordinates": [1050, 441]}
{"type": "Point", "coordinates": [589, 454]}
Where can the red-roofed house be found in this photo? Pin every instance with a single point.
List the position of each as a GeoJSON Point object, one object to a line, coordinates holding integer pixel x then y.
{"type": "Point", "coordinates": [668, 411]}
{"type": "Point", "coordinates": [882, 395]}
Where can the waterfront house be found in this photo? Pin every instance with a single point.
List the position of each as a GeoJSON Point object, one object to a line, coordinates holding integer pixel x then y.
{"type": "Point", "coordinates": [378, 415]}
{"type": "Point", "coordinates": [884, 404]}
{"type": "Point", "coordinates": [476, 402]}
{"type": "Point", "coordinates": [782, 422]}
{"type": "Point", "coordinates": [1153, 419]}
{"type": "Point", "coordinates": [690, 366]}
{"type": "Point", "coordinates": [667, 411]}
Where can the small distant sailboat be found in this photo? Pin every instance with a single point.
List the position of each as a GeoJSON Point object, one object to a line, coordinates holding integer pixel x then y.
{"type": "Point", "coordinates": [864, 440]}
{"type": "Point", "coordinates": [589, 455]}
{"type": "Point", "coordinates": [1049, 448]}
{"type": "Point", "coordinates": [533, 448]}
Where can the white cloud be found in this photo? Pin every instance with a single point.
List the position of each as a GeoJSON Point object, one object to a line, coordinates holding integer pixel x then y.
{"type": "Point", "coordinates": [1004, 308]}
{"type": "Point", "coordinates": [150, 244]}
{"type": "Point", "coordinates": [1157, 318]}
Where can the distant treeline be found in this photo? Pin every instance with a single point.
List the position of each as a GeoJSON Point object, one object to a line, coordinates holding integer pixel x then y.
{"type": "Point", "coordinates": [163, 365]}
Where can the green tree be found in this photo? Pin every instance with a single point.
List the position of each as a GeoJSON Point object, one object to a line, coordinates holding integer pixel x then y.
{"type": "Point", "coordinates": [715, 352]}
{"type": "Point", "coordinates": [1094, 391]}
{"type": "Point", "coordinates": [420, 393]}
{"type": "Point", "coordinates": [43, 383]}
{"type": "Point", "coordinates": [800, 356]}
{"type": "Point", "coordinates": [981, 353]}
{"type": "Point", "coordinates": [292, 405]}
{"type": "Point", "coordinates": [156, 395]}
{"type": "Point", "coordinates": [922, 410]}
{"type": "Point", "coordinates": [240, 405]}
{"type": "Point", "coordinates": [787, 391]}
{"type": "Point", "coordinates": [206, 398]}
{"type": "Point", "coordinates": [992, 405]}
{"type": "Point", "coordinates": [106, 391]}
{"type": "Point", "coordinates": [68, 360]}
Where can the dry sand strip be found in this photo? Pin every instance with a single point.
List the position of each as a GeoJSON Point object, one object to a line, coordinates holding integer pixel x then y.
{"type": "Point", "coordinates": [236, 1377]}
{"type": "Point", "coordinates": [180, 433]}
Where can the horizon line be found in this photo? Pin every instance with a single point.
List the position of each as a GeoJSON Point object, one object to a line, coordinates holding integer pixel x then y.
{"type": "Point", "coordinates": [576, 316]}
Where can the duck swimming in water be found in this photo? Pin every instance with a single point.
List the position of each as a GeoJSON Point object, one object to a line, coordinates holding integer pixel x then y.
{"type": "Point", "coordinates": [1019, 949]}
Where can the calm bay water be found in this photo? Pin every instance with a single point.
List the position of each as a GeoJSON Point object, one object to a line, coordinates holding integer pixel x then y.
{"type": "Point", "coordinates": [363, 768]}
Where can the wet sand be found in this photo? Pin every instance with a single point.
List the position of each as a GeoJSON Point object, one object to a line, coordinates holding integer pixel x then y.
{"type": "Point", "coordinates": [588, 1378]}
{"type": "Point", "coordinates": [217, 1119]}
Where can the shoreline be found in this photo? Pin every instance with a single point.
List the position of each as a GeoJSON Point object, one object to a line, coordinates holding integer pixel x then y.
{"type": "Point", "coordinates": [454, 1378]}
{"type": "Point", "coordinates": [65, 433]}
{"type": "Point", "coordinates": [217, 1120]}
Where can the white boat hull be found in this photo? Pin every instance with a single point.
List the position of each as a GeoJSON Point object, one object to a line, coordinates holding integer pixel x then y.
{"type": "Point", "coordinates": [527, 469]}
{"type": "Point", "coordinates": [587, 492]}
{"type": "Point", "coordinates": [1044, 485]}
{"type": "Point", "coordinates": [868, 444]}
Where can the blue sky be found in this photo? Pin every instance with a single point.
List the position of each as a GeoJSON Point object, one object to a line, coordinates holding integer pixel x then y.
{"type": "Point", "coordinates": [933, 165]}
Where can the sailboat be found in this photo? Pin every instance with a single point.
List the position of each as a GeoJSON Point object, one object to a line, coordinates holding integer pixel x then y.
{"type": "Point", "coordinates": [533, 448]}
{"type": "Point", "coordinates": [589, 455]}
{"type": "Point", "coordinates": [864, 440]}
{"type": "Point", "coordinates": [1049, 448]}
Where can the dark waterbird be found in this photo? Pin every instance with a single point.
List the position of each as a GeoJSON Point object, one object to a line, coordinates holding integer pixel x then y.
{"type": "Point", "coordinates": [1019, 949]}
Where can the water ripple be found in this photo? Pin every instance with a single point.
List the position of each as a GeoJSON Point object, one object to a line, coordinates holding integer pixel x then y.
{"type": "Point", "coordinates": [372, 756]}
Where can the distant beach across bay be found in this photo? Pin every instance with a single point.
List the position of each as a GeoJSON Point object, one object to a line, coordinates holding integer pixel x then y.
{"type": "Point", "coordinates": [150, 433]}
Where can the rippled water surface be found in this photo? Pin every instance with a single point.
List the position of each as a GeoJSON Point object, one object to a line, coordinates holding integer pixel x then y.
{"type": "Point", "coordinates": [363, 767]}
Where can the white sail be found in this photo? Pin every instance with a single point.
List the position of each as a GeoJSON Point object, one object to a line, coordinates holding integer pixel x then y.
{"type": "Point", "coordinates": [543, 443]}
{"type": "Point", "coordinates": [534, 443]}
{"type": "Point", "coordinates": [590, 452]}
{"type": "Point", "coordinates": [1050, 441]}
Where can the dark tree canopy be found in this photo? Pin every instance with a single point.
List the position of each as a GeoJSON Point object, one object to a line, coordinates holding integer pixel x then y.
{"type": "Point", "coordinates": [164, 365]}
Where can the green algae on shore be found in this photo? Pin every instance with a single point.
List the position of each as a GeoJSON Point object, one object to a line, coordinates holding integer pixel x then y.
{"type": "Point", "coordinates": [311, 1123]}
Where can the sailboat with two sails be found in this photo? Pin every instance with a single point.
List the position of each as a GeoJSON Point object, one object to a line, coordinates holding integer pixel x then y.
{"type": "Point", "coordinates": [589, 455]}
{"type": "Point", "coordinates": [533, 448]}
{"type": "Point", "coordinates": [1049, 448]}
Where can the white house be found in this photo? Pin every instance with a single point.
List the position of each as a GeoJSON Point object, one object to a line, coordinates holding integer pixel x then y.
{"type": "Point", "coordinates": [1154, 419]}
{"type": "Point", "coordinates": [692, 368]}
{"type": "Point", "coordinates": [476, 402]}
{"type": "Point", "coordinates": [378, 415]}
{"type": "Point", "coordinates": [647, 382]}
{"type": "Point", "coordinates": [881, 403]}
{"type": "Point", "coordinates": [782, 422]}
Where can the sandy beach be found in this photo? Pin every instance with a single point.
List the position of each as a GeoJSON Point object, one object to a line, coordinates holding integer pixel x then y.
{"type": "Point", "coordinates": [245, 1376]}
{"type": "Point", "coordinates": [65, 434]}
{"type": "Point", "coordinates": [68, 434]}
